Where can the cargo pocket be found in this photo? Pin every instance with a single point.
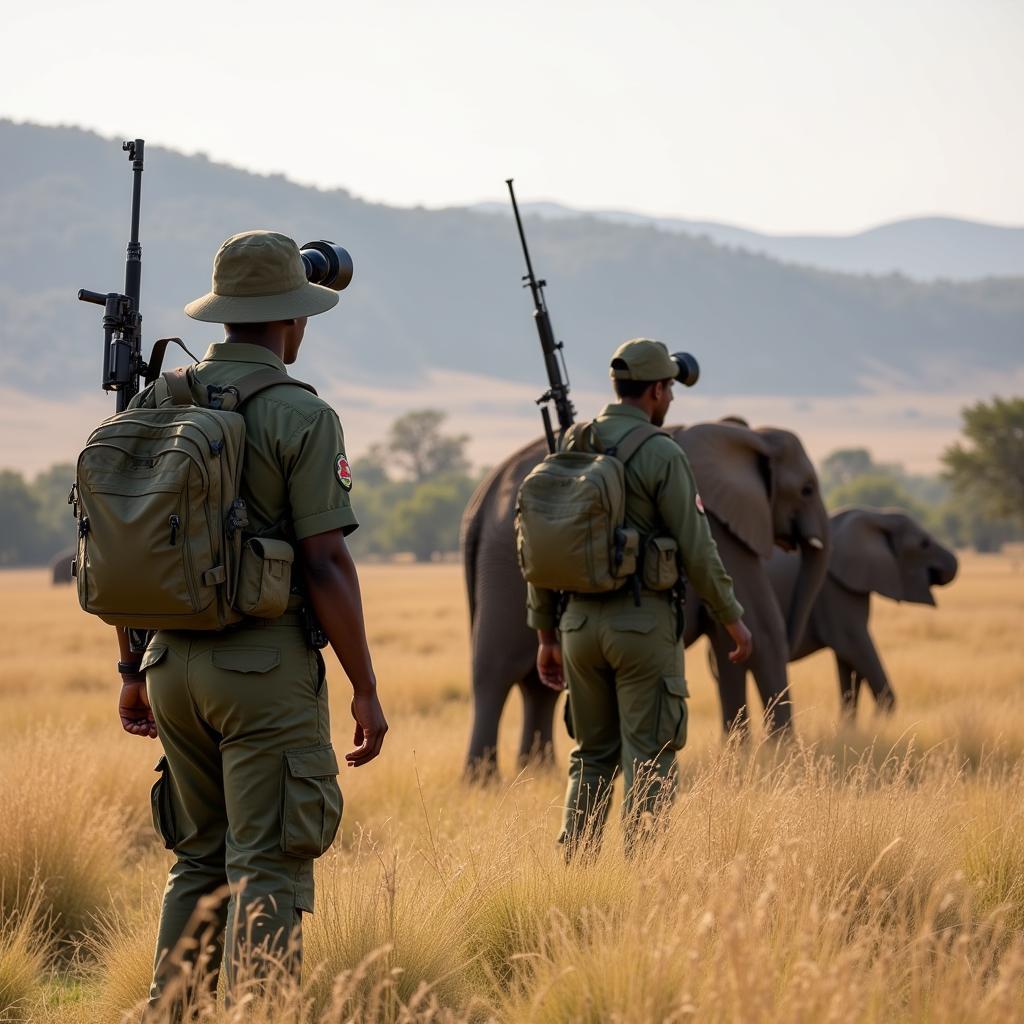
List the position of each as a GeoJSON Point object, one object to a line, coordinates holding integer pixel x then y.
{"type": "Point", "coordinates": [153, 654]}
{"type": "Point", "coordinates": [567, 712]}
{"type": "Point", "coordinates": [162, 807]}
{"type": "Point", "coordinates": [311, 801]}
{"type": "Point", "coordinates": [571, 621]}
{"type": "Point", "coordinates": [247, 659]}
{"type": "Point", "coordinates": [672, 713]}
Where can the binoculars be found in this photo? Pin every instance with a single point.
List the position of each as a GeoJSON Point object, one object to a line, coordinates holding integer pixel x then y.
{"type": "Point", "coordinates": [689, 368]}
{"type": "Point", "coordinates": [327, 264]}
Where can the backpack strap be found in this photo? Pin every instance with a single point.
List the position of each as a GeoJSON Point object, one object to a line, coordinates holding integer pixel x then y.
{"type": "Point", "coordinates": [580, 437]}
{"type": "Point", "coordinates": [179, 385]}
{"type": "Point", "coordinates": [634, 440]}
{"type": "Point", "coordinates": [260, 381]}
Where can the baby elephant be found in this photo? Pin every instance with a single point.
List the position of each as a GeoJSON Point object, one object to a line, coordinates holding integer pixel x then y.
{"type": "Point", "coordinates": [873, 551]}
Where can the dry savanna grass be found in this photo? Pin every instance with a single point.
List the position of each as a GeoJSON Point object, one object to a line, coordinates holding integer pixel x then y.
{"type": "Point", "coordinates": [869, 874]}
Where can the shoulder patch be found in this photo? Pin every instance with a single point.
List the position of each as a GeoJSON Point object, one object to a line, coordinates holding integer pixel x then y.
{"type": "Point", "coordinates": [343, 471]}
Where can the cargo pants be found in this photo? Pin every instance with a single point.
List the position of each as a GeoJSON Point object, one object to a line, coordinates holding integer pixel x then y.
{"type": "Point", "coordinates": [247, 793]}
{"type": "Point", "coordinates": [627, 695]}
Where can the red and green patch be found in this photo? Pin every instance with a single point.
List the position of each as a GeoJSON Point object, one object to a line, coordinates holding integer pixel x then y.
{"type": "Point", "coordinates": [343, 471]}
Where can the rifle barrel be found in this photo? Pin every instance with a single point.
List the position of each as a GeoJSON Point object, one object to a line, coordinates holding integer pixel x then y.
{"type": "Point", "coordinates": [558, 391]}
{"type": "Point", "coordinates": [133, 259]}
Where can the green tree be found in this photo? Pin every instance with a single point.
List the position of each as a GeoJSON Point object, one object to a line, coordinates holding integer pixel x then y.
{"type": "Point", "coordinates": [19, 521]}
{"type": "Point", "coordinates": [370, 469]}
{"type": "Point", "coordinates": [417, 448]}
{"type": "Point", "coordinates": [988, 466]}
{"type": "Point", "coordinates": [427, 522]}
{"type": "Point", "coordinates": [844, 465]}
{"type": "Point", "coordinates": [57, 527]}
{"type": "Point", "coordinates": [875, 490]}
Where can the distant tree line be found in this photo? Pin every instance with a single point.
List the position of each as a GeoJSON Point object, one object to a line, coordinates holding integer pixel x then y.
{"type": "Point", "coordinates": [410, 490]}
{"type": "Point", "coordinates": [35, 519]}
{"type": "Point", "coordinates": [977, 501]}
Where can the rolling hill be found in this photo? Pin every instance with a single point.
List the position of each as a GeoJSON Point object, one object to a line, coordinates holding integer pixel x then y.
{"type": "Point", "coordinates": [438, 291]}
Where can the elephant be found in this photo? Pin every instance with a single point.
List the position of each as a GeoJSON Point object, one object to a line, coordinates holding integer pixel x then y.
{"type": "Point", "coordinates": [761, 491]}
{"type": "Point", "coordinates": [768, 495]}
{"type": "Point", "coordinates": [60, 567]}
{"type": "Point", "coordinates": [873, 551]}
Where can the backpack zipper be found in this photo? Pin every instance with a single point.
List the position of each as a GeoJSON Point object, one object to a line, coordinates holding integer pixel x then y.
{"type": "Point", "coordinates": [174, 522]}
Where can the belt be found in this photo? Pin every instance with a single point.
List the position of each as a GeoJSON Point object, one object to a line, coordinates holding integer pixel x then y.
{"type": "Point", "coordinates": [295, 618]}
{"type": "Point", "coordinates": [610, 595]}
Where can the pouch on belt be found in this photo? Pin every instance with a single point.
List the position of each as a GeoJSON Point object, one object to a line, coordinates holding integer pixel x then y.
{"type": "Point", "coordinates": [265, 577]}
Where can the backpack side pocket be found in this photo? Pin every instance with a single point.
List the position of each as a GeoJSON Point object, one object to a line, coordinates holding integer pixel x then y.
{"type": "Point", "coordinates": [264, 578]}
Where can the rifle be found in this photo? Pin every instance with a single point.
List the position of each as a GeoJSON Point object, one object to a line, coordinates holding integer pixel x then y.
{"type": "Point", "coordinates": [554, 358]}
{"type": "Point", "coordinates": [123, 364]}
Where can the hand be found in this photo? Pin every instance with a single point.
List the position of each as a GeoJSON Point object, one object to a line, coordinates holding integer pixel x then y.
{"type": "Point", "coordinates": [549, 664]}
{"type": "Point", "coordinates": [370, 728]}
{"type": "Point", "coordinates": [133, 707]}
{"type": "Point", "coordinates": [742, 639]}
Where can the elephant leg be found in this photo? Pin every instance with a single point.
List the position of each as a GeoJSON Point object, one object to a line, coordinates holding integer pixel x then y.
{"type": "Point", "coordinates": [860, 652]}
{"type": "Point", "coordinates": [849, 689]}
{"type": "Point", "coordinates": [770, 656]}
{"type": "Point", "coordinates": [489, 700]}
{"type": "Point", "coordinates": [873, 673]}
{"type": "Point", "coordinates": [768, 666]}
{"type": "Point", "coordinates": [496, 667]}
{"type": "Point", "coordinates": [539, 701]}
{"type": "Point", "coordinates": [732, 686]}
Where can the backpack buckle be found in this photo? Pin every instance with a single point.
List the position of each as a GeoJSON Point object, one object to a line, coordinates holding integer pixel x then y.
{"type": "Point", "coordinates": [238, 516]}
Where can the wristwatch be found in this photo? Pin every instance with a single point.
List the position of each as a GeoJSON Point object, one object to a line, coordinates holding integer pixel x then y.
{"type": "Point", "coordinates": [129, 668]}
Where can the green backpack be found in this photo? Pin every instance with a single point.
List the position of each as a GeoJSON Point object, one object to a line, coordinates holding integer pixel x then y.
{"type": "Point", "coordinates": [160, 519]}
{"type": "Point", "coordinates": [571, 511]}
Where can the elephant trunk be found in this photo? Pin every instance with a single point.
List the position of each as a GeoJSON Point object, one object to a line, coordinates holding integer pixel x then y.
{"type": "Point", "coordinates": [945, 569]}
{"type": "Point", "coordinates": [813, 539]}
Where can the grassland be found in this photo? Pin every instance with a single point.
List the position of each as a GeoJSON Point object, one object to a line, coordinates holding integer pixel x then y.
{"type": "Point", "coordinates": [864, 874]}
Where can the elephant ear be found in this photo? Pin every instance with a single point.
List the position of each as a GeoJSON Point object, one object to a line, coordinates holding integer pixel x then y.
{"type": "Point", "coordinates": [863, 558]}
{"type": "Point", "coordinates": [732, 465]}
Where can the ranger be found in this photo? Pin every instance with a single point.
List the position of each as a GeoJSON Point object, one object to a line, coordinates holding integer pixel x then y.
{"type": "Point", "coordinates": [620, 652]}
{"type": "Point", "coordinates": [247, 795]}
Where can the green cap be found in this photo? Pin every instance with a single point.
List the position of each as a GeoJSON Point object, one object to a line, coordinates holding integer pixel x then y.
{"type": "Point", "coordinates": [258, 277]}
{"type": "Point", "coordinates": [644, 359]}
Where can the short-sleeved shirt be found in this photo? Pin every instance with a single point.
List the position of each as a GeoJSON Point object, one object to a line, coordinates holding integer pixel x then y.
{"type": "Point", "coordinates": [296, 481]}
{"type": "Point", "coordinates": [661, 500]}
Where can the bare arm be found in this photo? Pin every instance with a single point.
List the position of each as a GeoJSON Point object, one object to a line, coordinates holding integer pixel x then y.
{"type": "Point", "coordinates": [549, 659]}
{"type": "Point", "coordinates": [332, 585]}
{"type": "Point", "coordinates": [133, 704]}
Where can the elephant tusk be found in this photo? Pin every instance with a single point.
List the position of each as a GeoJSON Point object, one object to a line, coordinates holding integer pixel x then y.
{"type": "Point", "coordinates": [816, 543]}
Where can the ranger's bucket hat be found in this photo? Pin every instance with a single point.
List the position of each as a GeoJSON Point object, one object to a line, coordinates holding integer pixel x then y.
{"type": "Point", "coordinates": [258, 277]}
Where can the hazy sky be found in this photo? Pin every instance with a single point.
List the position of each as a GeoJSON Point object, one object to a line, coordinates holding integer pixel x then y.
{"type": "Point", "coordinates": [799, 115]}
